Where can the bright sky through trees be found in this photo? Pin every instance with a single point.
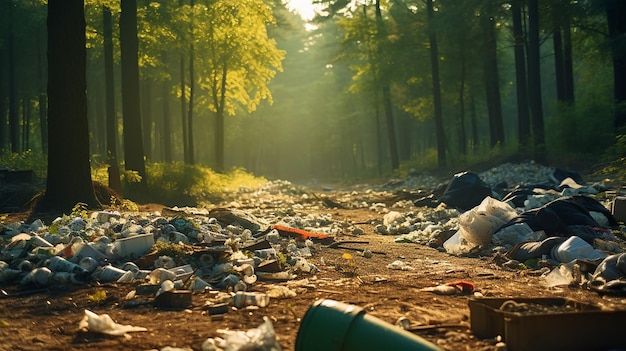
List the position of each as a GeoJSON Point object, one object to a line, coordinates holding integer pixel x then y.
{"type": "Point", "coordinates": [304, 7]}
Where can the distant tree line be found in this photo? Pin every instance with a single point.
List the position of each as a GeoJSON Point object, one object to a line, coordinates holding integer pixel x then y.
{"type": "Point", "coordinates": [376, 86]}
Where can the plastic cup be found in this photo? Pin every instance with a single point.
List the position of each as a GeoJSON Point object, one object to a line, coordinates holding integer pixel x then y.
{"type": "Point", "coordinates": [335, 326]}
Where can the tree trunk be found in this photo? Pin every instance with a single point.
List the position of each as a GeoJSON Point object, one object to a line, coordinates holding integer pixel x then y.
{"type": "Point", "coordinates": [69, 172]}
{"type": "Point", "coordinates": [43, 99]}
{"type": "Point", "coordinates": [219, 123]}
{"type": "Point", "coordinates": [133, 143]}
{"type": "Point", "coordinates": [534, 82]}
{"type": "Point", "coordinates": [25, 124]}
{"type": "Point", "coordinates": [190, 148]}
{"type": "Point", "coordinates": [167, 129]}
{"type": "Point", "coordinates": [391, 130]}
{"type": "Point", "coordinates": [183, 109]}
{"type": "Point", "coordinates": [13, 118]}
{"type": "Point", "coordinates": [461, 124]}
{"type": "Point", "coordinates": [472, 106]}
{"type": "Point", "coordinates": [5, 7]}
{"type": "Point", "coordinates": [146, 118]}
{"type": "Point", "coordinates": [492, 80]}
{"type": "Point", "coordinates": [109, 87]}
{"type": "Point", "coordinates": [519, 42]}
{"type": "Point", "coordinates": [434, 63]}
{"type": "Point", "coordinates": [558, 64]}
{"type": "Point", "coordinates": [568, 63]}
{"type": "Point", "coordinates": [616, 20]}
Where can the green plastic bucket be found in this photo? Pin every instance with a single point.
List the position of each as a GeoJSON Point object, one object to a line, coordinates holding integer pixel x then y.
{"type": "Point", "coordinates": [330, 325]}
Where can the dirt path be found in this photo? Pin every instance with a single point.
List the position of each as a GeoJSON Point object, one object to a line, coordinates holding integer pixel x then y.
{"type": "Point", "coordinates": [49, 320]}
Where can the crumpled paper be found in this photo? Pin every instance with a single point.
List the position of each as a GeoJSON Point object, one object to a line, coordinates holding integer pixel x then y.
{"type": "Point", "coordinates": [104, 324]}
{"type": "Point", "coordinates": [262, 338]}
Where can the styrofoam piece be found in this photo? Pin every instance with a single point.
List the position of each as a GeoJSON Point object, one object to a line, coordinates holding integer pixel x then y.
{"type": "Point", "coordinates": [88, 250]}
{"type": "Point", "coordinates": [133, 246]}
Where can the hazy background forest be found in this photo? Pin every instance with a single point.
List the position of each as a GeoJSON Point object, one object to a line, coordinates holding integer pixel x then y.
{"type": "Point", "coordinates": [360, 89]}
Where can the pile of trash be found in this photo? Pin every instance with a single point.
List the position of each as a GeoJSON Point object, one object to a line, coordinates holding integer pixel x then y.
{"type": "Point", "coordinates": [524, 215]}
{"type": "Point", "coordinates": [555, 223]}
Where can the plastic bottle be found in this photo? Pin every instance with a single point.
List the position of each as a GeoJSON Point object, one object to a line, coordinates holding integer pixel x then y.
{"type": "Point", "coordinates": [59, 264]}
{"type": "Point", "coordinates": [243, 299]}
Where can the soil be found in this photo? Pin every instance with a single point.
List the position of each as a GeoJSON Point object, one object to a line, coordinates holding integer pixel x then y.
{"type": "Point", "coordinates": [49, 319]}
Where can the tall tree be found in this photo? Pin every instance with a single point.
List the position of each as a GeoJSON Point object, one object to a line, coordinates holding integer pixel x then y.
{"type": "Point", "coordinates": [13, 117]}
{"type": "Point", "coordinates": [616, 20]}
{"type": "Point", "coordinates": [183, 91]}
{"type": "Point", "coordinates": [192, 88]}
{"type": "Point", "coordinates": [519, 45]}
{"type": "Point", "coordinates": [534, 82]}
{"type": "Point", "coordinates": [237, 58]}
{"type": "Point", "coordinates": [133, 142]}
{"type": "Point", "coordinates": [434, 62]}
{"type": "Point", "coordinates": [111, 119]}
{"type": "Point", "coordinates": [492, 77]}
{"type": "Point", "coordinates": [383, 62]}
{"type": "Point", "coordinates": [69, 172]}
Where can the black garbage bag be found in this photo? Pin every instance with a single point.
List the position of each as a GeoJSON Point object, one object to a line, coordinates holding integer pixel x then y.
{"type": "Point", "coordinates": [560, 174]}
{"type": "Point", "coordinates": [566, 216]}
{"type": "Point", "coordinates": [465, 191]}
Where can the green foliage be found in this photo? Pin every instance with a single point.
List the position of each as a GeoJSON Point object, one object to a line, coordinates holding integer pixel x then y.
{"type": "Point", "coordinates": [80, 210]}
{"type": "Point", "coordinates": [615, 159]}
{"type": "Point", "coordinates": [27, 160]}
{"type": "Point", "coordinates": [176, 251]}
{"type": "Point", "coordinates": [124, 204]}
{"type": "Point", "coordinates": [180, 184]}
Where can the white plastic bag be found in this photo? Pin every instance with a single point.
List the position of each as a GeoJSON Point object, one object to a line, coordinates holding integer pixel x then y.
{"type": "Point", "coordinates": [478, 225]}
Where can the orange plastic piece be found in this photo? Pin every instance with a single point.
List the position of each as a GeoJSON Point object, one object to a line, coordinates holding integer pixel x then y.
{"type": "Point", "coordinates": [302, 234]}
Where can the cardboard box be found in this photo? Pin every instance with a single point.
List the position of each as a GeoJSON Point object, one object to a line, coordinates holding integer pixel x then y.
{"type": "Point", "coordinates": [564, 324]}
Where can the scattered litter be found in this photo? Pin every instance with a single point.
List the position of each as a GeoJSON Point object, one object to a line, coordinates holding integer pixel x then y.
{"type": "Point", "coordinates": [262, 338]}
{"type": "Point", "coordinates": [104, 324]}
{"type": "Point", "coordinates": [454, 288]}
{"type": "Point", "coordinates": [400, 265]}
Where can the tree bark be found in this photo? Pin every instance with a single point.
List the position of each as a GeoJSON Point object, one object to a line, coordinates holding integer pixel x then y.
{"type": "Point", "coordinates": [69, 173]}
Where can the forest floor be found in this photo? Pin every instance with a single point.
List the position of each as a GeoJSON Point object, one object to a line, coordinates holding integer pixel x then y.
{"type": "Point", "coordinates": [49, 319]}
